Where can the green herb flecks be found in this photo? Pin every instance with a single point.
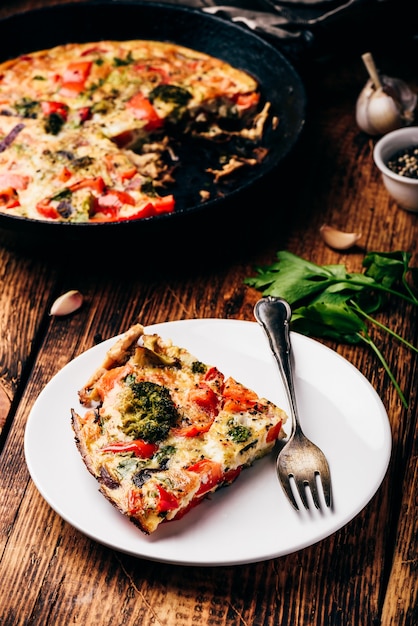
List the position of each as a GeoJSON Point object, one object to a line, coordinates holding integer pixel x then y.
{"type": "Point", "coordinates": [128, 60]}
{"type": "Point", "coordinates": [328, 301]}
{"type": "Point", "coordinates": [63, 194]}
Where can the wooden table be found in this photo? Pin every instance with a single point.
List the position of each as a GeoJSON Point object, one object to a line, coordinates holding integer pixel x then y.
{"type": "Point", "coordinates": [362, 575]}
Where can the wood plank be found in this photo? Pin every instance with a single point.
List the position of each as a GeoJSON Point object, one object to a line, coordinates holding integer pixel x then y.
{"type": "Point", "coordinates": [400, 605]}
{"type": "Point", "coordinates": [26, 288]}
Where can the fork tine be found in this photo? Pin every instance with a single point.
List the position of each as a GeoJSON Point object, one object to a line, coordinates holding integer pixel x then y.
{"type": "Point", "coordinates": [287, 488]}
{"type": "Point", "coordinates": [326, 487]}
{"type": "Point", "coordinates": [284, 478]}
{"type": "Point", "coordinates": [314, 492]}
{"type": "Point", "coordinates": [300, 485]}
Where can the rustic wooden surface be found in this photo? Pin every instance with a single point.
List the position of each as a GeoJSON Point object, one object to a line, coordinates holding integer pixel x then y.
{"type": "Point", "coordinates": [362, 575]}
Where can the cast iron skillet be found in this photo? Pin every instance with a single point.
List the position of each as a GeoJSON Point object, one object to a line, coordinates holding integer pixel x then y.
{"type": "Point", "coordinates": [105, 19]}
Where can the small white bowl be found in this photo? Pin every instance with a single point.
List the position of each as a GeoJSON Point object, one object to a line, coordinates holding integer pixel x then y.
{"type": "Point", "coordinates": [403, 190]}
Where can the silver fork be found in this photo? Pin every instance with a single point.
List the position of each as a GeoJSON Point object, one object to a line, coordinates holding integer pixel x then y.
{"type": "Point", "coordinates": [300, 458]}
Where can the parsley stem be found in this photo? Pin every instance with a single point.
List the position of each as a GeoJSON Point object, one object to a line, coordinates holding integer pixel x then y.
{"type": "Point", "coordinates": [411, 299]}
{"type": "Point", "coordinates": [407, 287]}
{"type": "Point", "coordinates": [380, 356]}
{"type": "Point", "coordinates": [382, 326]}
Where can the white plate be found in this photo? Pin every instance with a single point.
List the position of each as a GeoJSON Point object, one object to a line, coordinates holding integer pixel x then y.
{"type": "Point", "coordinates": [251, 520]}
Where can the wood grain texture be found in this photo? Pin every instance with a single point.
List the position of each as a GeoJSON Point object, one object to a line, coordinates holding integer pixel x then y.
{"type": "Point", "coordinates": [362, 575]}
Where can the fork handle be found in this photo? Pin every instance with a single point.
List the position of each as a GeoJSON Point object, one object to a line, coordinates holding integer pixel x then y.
{"type": "Point", "coordinates": [274, 315]}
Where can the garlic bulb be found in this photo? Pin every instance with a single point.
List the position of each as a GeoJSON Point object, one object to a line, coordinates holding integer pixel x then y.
{"type": "Point", "coordinates": [385, 103]}
{"type": "Point", "coordinates": [338, 239]}
{"type": "Point", "coordinates": [67, 303]}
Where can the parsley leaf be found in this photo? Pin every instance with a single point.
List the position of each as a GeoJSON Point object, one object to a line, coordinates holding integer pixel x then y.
{"type": "Point", "coordinates": [327, 301]}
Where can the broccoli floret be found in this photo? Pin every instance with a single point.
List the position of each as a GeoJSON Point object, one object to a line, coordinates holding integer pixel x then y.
{"type": "Point", "coordinates": [171, 93]}
{"type": "Point", "coordinates": [239, 433]}
{"type": "Point", "coordinates": [54, 123]}
{"type": "Point", "coordinates": [27, 108]}
{"type": "Point", "coordinates": [147, 411]}
{"type": "Point", "coordinates": [198, 367]}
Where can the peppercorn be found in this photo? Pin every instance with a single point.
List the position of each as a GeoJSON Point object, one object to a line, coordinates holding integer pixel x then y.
{"type": "Point", "coordinates": [405, 162]}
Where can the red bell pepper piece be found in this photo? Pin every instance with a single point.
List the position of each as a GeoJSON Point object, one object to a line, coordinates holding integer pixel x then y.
{"type": "Point", "coordinates": [84, 114]}
{"type": "Point", "coordinates": [213, 373]}
{"type": "Point", "coordinates": [227, 478]}
{"type": "Point", "coordinates": [247, 100]}
{"type": "Point", "coordinates": [93, 50]}
{"type": "Point", "coordinates": [77, 72]}
{"type": "Point", "coordinates": [273, 432]}
{"type": "Point", "coordinates": [115, 199]}
{"type": "Point", "coordinates": [65, 174]}
{"type": "Point", "coordinates": [237, 397]}
{"type": "Point", "coordinates": [46, 209]}
{"type": "Point", "coordinates": [139, 447]}
{"type": "Point", "coordinates": [134, 501]}
{"type": "Point", "coordinates": [194, 430]}
{"type": "Point", "coordinates": [142, 109]}
{"type": "Point", "coordinates": [108, 206]}
{"type": "Point", "coordinates": [205, 398]}
{"type": "Point", "coordinates": [231, 475]}
{"type": "Point", "coordinates": [110, 378]}
{"type": "Point", "coordinates": [9, 198]}
{"type": "Point", "coordinates": [96, 184]}
{"type": "Point", "coordinates": [210, 473]}
{"type": "Point", "coordinates": [194, 502]}
{"type": "Point", "coordinates": [167, 500]}
{"type": "Point", "coordinates": [165, 204]}
{"type": "Point", "coordinates": [74, 78]}
{"type": "Point", "coordinates": [50, 106]}
{"type": "Point", "coordinates": [121, 171]}
{"type": "Point", "coordinates": [147, 210]}
{"type": "Point", "coordinates": [128, 173]}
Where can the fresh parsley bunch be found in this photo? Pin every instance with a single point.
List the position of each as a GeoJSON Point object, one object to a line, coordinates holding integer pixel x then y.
{"type": "Point", "coordinates": [328, 301]}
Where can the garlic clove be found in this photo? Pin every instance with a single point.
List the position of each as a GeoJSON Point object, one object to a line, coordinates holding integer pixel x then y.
{"type": "Point", "coordinates": [381, 110]}
{"type": "Point", "coordinates": [385, 103]}
{"type": "Point", "coordinates": [67, 303]}
{"type": "Point", "coordinates": [362, 109]}
{"type": "Point", "coordinates": [384, 113]}
{"type": "Point", "coordinates": [338, 239]}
